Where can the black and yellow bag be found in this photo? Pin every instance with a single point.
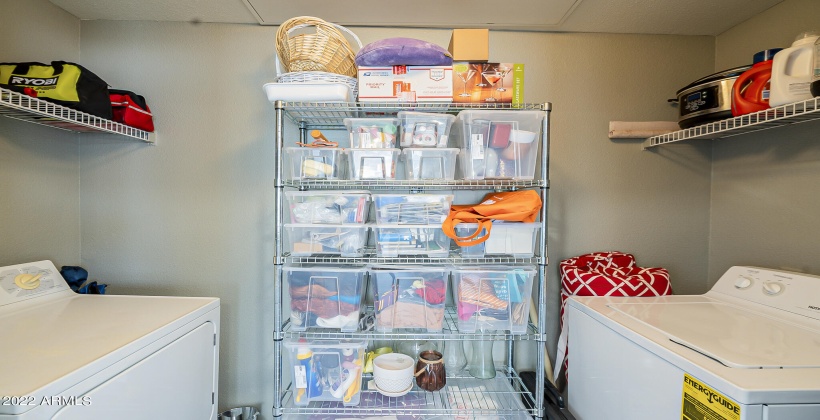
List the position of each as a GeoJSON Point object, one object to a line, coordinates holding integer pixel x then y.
{"type": "Point", "coordinates": [63, 83]}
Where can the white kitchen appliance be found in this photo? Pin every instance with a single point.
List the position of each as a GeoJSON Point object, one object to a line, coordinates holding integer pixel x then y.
{"type": "Point", "coordinates": [66, 356]}
{"type": "Point", "coordinates": [749, 349]}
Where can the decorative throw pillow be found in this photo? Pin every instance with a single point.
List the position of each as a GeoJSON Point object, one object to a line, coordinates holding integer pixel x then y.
{"type": "Point", "coordinates": [403, 51]}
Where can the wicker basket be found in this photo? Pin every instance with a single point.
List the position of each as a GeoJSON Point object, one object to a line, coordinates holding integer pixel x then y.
{"type": "Point", "coordinates": [327, 50]}
{"type": "Point", "coordinates": [323, 57]}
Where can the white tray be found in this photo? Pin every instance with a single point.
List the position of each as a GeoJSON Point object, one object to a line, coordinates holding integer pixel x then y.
{"type": "Point", "coordinates": [308, 92]}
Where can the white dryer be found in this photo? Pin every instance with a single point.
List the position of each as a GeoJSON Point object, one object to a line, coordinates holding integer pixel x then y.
{"type": "Point", "coordinates": [749, 349]}
{"type": "Point", "coordinates": [66, 356]}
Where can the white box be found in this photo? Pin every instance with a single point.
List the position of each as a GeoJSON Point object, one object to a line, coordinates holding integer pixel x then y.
{"type": "Point", "coordinates": [406, 84]}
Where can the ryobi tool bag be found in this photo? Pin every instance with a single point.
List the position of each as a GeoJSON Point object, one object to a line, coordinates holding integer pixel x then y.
{"type": "Point", "coordinates": [61, 82]}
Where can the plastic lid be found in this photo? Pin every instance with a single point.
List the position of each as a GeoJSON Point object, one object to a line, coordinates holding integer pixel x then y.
{"type": "Point", "coordinates": [805, 37]}
{"type": "Point", "coordinates": [766, 55]}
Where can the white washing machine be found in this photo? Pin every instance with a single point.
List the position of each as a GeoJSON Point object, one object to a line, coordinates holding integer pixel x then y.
{"type": "Point", "coordinates": [66, 356]}
{"type": "Point", "coordinates": [749, 349]}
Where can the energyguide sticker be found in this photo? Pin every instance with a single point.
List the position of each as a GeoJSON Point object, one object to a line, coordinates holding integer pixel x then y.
{"type": "Point", "coordinates": [700, 402]}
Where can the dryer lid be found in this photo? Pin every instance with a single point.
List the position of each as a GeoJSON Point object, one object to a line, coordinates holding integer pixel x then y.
{"type": "Point", "coordinates": [736, 337]}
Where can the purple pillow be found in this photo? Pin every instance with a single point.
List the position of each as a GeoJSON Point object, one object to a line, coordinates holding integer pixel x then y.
{"type": "Point", "coordinates": [403, 52]}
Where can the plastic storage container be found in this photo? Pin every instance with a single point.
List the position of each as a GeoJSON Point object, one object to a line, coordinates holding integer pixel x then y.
{"type": "Point", "coordinates": [325, 296]}
{"type": "Point", "coordinates": [792, 70]}
{"type": "Point", "coordinates": [315, 163]}
{"type": "Point", "coordinates": [309, 239]}
{"type": "Point", "coordinates": [372, 163]}
{"type": "Point", "coordinates": [420, 129]}
{"type": "Point", "coordinates": [421, 163]}
{"type": "Point", "coordinates": [427, 240]}
{"type": "Point", "coordinates": [372, 133]}
{"type": "Point", "coordinates": [493, 298]}
{"type": "Point", "coordinates": [516, 239]}
{"type": "Point", "coordinates": [328, 207]}
{"type": "Point", "coordinates": [326, 370]}
{"type": "Point", "coordinates": [412, 209]}
{"type": "Point", "coordinates": [409, 296]}
{"type": "Point", "coordinates": [499, 144]}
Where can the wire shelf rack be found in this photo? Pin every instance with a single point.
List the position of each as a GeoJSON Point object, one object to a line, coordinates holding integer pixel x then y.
{"type": "Point", "coordinates": [371, 258]}
{"type": "Point", "coordinates": [330, 115]}
{"type": "Point", "coordinates": [26, 108]}
{"type": "Point", "coordinates": [420, 185]}
{"type": "Point", "coordinates": [795, 113]}
{"type": "Point", "coordinates": [503, 397]}
{"type": "Point", "coordinates": [449, 332]}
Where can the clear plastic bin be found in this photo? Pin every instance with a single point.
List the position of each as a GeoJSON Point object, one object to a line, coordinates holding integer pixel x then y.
{"type": "Point", "coordinates": [372, 133]}
{"type": "Point", "coordinates": [395, 240]}
{"type": "Point", "coordinates": [420, 129]}
{"type": "Point", "coordinates": [309, 239]}
{"type": "Point", "coordinates": [412, 209]}
{"type": "Point", "coordinates": [328, 207]}
{"type": "Point", "coordinates": [325, 296]}
{"type": "Point", "coordinates": [516, 239]}
{"type": "Point", "coordinates": [326, 370]}
{"type": "Point", "coordinates": [493, 298]}
{"type": "Point", "coordinates": [409, 296]}
{"type": "Point", "coordinates": [500, 144]}
{"type": "Point", "coordinates": [372, 163]}
{"type": "Point", "coordinates": [315, 163]}
{"type": "Point", "coordinates": [421, 163]}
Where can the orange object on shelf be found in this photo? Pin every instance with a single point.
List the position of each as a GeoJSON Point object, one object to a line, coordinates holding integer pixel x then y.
{"type": "Point", "coordinates": [750, 92]}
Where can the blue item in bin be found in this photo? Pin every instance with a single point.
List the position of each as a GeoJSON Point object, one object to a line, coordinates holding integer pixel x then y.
{"type": "Point", "coordinates": [306, 378]}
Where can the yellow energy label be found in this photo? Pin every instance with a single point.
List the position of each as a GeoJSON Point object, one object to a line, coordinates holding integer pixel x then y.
{"type": "Point", "coordinates": [700, 402]}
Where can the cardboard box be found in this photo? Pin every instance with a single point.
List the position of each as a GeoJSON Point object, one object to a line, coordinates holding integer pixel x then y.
{"type": "Point", "coordinates": [406, 84]}
{"type": "Point", "coordinates": [470, 45]}
{"type": "Point", "coordinates": [468, 81]}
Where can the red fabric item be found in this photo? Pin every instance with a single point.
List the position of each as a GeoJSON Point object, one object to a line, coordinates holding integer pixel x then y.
{"type": "Point", "coordinates": [433, 292]}
{"type": "Point", "coordinates": [127, 111]}
{"type": "Point", "coordinates": [609, 274]}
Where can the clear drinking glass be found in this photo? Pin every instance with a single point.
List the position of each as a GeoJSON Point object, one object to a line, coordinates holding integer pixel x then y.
{"type": "Point", "coordinates": [454, 358]}
{"type": "Point", "coordinates": [465, 75]}
{"type": "Point", "coordinates": [504, 70]}
{"type": "Point", "coordinates": [481, 68]}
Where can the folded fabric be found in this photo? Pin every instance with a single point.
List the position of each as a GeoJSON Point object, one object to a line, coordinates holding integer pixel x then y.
{"type": "Point", "coordinates": [403, 52]}
{"type": "Point", "coordinates": [433, 292]}
{"type": "Point", "coordinates": [312, 291]}
{"type": "Point", "coordinates": [338, 321]}
{"type": "Point", "coordinates": [411, 315]}
{"type": "Point", "coordinates": [323, 308]}
{"type": "Point", "coordinates": [481, 294]}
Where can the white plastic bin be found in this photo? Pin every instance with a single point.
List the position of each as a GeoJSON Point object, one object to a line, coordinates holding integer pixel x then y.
{"type": "Point", "coordinates": [493, 297]}
{"type": "Point", "coordinates": [421, 129]}
{"type": "Point", "coordinates": [326, 370]}
{"type": "Point", "coordinates": [395, 240]}
{"type": "Point", "coordinates": [325, 296]}
{"type": "Point", "coordinates": [409, 296]}
{"type": "Point", "coordinates": [328, 207]}
{"type": "Point", "coordinates": [412, 209]}
{"type": "Point", "coordinates": [423, 163]}
{"type": "Point", "coordinates": [315, 163]}
{"type": "Point", "coordinates": [372, 133]}
{"type": "Point", "coordinates": [516, 239]}
{"type": "Point", "coordinates": [500, 144]}
{"type": "Point", "coordinates": [372, 163]}
{"type": "Point", "coordinates": [310, 239]}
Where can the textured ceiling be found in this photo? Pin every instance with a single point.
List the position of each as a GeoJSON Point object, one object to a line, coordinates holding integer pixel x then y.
{"type": "Point", "coordinates": [683, 17]}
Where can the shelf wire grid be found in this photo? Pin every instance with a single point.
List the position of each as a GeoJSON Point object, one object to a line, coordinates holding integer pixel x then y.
{"type": "Point", "coordinates": [26, 108]}
{"type": "Point", "coordinates": [370, 257]}
{"type": "Point", "coordinates": [503, 397]}
{"type": "Point", "coordinates": [795, 113]}
{"type": "Point", "coordinates": [330, 115]}
{"type": "Point", "coordinates": [409, 184]}
{"type": "Point", "coordinates": [450, 331]}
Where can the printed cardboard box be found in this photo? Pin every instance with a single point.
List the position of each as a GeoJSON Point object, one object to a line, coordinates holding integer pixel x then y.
{"type": "Point", "coordinates": [406, 84]}
{"type": "Point", "coordinates": [488, 83]}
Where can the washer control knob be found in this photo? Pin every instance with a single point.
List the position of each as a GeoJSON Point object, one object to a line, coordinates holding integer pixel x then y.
{"type": "Point", "coordinates": [772, 288]}
{"type": "Point", "coordinates": [743, 282]}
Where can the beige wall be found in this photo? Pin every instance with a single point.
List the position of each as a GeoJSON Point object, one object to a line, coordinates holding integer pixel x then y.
{"type": "Point", "coordinates": [193, 215]}
{"type": "Point", "coordinates": [765, 196]}
{"type": "Point", "coordinates": [39, 167]}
